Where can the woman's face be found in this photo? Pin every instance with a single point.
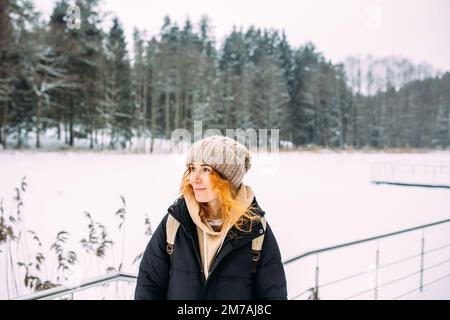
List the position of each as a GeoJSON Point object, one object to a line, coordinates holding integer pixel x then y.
{"type": "Point", "coordinates": [200, 179]}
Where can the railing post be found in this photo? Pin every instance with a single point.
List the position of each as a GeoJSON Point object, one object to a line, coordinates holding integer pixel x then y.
{"type": "Point", "coordinates": [377, 265]}
{"type": "Point", "coordinates": [316, 285]}
{"type": "Point", "coordinates": [422, 254]}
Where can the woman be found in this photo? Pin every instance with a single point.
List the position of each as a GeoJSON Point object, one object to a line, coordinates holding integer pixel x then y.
{"type": "Point", "coordinates": [223, 249]}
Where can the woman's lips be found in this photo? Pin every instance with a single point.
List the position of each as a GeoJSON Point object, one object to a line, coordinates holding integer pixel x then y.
{"type": "Point", "coordinates": [198, 190]}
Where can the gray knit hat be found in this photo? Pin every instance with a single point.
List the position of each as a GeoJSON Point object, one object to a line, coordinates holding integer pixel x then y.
{"type": "Point", "coordinates": [226, 155]}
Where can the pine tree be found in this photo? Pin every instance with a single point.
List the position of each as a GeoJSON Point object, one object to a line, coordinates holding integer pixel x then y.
{"type": "Point", "coordinates": [6, 73]}
{"type": "Point", "coordinates": [120, 107]}
{"type": "Point", "coordinates": [306, 78]}
{"type": "Point", "coordinates": [18, 97]}
{"type": "Point", "coordinates": [153, 57]}
{"type": "Point", "coordinates": [140, 88]}
{"type": "Point", "coordinates": [231, 63]}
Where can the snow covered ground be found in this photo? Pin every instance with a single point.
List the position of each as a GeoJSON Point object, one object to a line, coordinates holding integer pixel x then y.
{"type": "Point", "coordinates": [312, 200]}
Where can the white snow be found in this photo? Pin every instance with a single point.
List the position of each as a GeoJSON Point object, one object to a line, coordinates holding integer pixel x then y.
{"type": "Point", "coordinates": [312, 200]}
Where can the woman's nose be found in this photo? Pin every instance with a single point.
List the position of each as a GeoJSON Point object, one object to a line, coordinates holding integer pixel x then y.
{"type": "Point", "coordinates": [196, 176]}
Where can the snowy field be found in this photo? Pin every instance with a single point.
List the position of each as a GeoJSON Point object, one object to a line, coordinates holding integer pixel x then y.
{"type": "Point", "coordinates": [312, 200]}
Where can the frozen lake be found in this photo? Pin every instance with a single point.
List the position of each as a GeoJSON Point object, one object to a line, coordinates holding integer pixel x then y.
{"type": "Point", "coordinates": [312, 200]}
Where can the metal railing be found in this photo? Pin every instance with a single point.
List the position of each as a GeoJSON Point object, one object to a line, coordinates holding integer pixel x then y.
{"type": "Point", "coordinates": [435, 175]}
{"type": "Point", "coordinates": [59, 292]}
{"type": "Point", "coordinates": [314, 291]}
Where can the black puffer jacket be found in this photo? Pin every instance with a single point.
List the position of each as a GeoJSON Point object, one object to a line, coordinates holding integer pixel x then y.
{"type": "Point", "coordinates": [230, 276]}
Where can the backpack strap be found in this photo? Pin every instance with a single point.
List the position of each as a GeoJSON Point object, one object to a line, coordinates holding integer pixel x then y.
{"type": "Point", "coordinates": [172, 225]}
{"type": "Point", "coordinates": [257, 244]}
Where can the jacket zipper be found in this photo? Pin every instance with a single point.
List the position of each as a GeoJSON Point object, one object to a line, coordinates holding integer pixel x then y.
{"type": "Point", "coordinates": [213, 269]}
{"type": "Point", "coordinates": [196, 253]}
{"type": "Point", "coordinates": [217, 254]}
{"type": "Point", "coordinates": [205, 280]}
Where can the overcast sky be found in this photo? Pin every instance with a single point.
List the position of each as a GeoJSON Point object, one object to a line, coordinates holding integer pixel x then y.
{"type": "Point", "coordinates": [416, 29]}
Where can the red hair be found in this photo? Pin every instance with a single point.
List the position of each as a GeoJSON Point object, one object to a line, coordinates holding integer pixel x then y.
{"type": "Point", "coordinates": [227, 199]}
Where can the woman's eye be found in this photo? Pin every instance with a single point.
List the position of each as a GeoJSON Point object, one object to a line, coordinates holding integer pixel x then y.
{"type": "Point", "coordinates": [192, 169]}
